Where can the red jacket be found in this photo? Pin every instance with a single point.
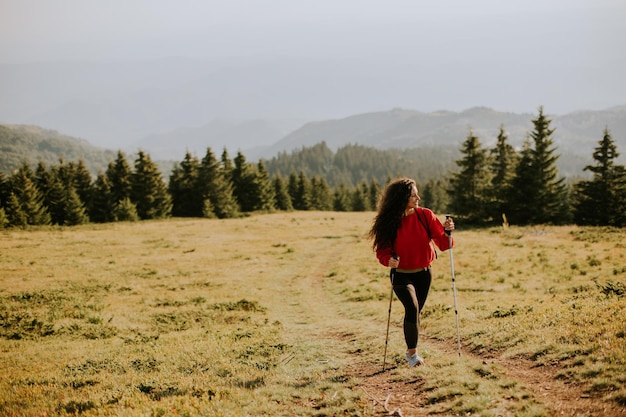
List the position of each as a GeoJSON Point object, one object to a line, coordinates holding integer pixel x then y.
{"type": "Point", "coordinates": [412, 245]}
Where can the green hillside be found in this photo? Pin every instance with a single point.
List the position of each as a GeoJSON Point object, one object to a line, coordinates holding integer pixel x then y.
{"type": "Point", "coordinates": [33, 144]}
{"type": "Point", "coordinates": [351, 164]}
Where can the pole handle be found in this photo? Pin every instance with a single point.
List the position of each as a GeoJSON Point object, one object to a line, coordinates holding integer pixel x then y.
{"type": "Point", "coordinates": [448, 232]}
{"type": "Point", "coordinates": [396, 257]}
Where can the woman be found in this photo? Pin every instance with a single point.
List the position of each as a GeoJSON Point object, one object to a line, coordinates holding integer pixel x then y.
{"type": "Point", "coordinates": [402, 235]}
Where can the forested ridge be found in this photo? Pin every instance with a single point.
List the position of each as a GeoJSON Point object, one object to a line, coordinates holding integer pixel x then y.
{"type": "Point", "coordinates": [19, 143]}
{"type": "Point", "coordinates": [353, 163]}
{"type": "Point", "coordinates": [478, 185]}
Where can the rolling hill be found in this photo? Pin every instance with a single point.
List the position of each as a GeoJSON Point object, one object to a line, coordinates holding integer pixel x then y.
{"type": "Point", "coordinates": [20, 143]}
{"type": "Point", "coordinates": [576, 133]}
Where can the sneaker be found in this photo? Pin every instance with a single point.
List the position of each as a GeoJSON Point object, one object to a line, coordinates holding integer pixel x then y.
{"type": "Point", "coordinates": [415, 360]}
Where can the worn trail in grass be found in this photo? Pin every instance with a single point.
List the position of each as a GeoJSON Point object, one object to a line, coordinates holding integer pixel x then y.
{"type": "Point", "coordinates": [316, 311]}
{"type": "Point", "coordinates": [399, 390]}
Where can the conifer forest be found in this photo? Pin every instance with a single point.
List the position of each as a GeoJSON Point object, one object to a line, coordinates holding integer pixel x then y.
{"type": "Point", "coordinates": [484, 186]}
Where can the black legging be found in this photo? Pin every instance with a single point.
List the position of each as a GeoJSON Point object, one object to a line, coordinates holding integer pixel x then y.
{"type": "Point", "coordinates": [412, 290]}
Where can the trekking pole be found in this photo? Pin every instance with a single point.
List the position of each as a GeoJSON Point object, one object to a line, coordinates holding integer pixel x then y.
{"type": "Point", "coordinates": [393, 272]}
{"type": "Point", "coordinates": [456, 311]}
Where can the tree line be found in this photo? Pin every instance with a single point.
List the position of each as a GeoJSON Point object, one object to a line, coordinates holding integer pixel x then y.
{"type": "Point", "coordinates": [523, 187]}
{"type": "Point", "coordinates": [64, 194]}
{"type": "Point", "coordinates": [488, 186]}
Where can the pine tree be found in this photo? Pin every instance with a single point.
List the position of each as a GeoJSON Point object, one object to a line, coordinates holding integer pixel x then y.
{"type": "Point", "coordinates": [434, 196]}
{"type": "Point", "coordinates": [321, 194]}
{"type": "Point", "coordinates": [66, 206]}
{"type": "Point", "coordinates": [537, 196]}
{"type": "Point", "coordinates": [266, 197]}
{"type": "Point", "coordinates": [342, 198]}
{"type": "Point", "coordinates": [185, 188]}
{"type": "Point", "coordinates": [301, 200]}
{"type": "Point", "coordinates": [360, 198]}
{"type": "Point", "coordinates": [523, 185]}
{"type": "Point", "coordinates": [43, 179]}
{"type": "Point", "coordinates": [215, 190]}
{"type": "Point", "coordinates": [4, 189]}
{"type": "Point", "coordinates": [468, 187]}
{"type": "Point", "coordinates": [56, 199]}
{"type": "Point", "coordinates": [227, 166]}
{"type": "Point", "coordinates": [243, 180]}
{"type": "Point", "coordinates": [26, 206]}
{"type": "Point", "coordinates": [149, 191]}
{"type": "Point", "coordinates": [374, 193]}
{"type": "Point", "coordinates": [4, 197]}
{"type": "Point", "coordinates": [4, 220]}
{"type": "Point", "coordinates": [283, 200]}
{"type": "Point", "coordinates": [75, 175]}
{"type": "Point", "coordinates": [602, 201]}
{"type": "Point", "coordinates": [58, 187]}
{"type": "Point", "coordinates": [292, 187]}
{"type": "Point", "coordinates": [503, 163]}
{"type": "Point", "coordinates": [102, 205]}
{"type": "Point", "coordinates": [16, 216]}
{"type": "Point", "coordinates": [82, 181]}
{"type": "Point", "coordinates": [125, 211]}
{"type": "Point", "coordinates": [52, 191]}
{"type": "Point", "coordinates": [367, 199]}
{"type": "Point", "coordinates": [119, 178]}
{"type": "Point", "coordinates": [75, 212]}
{"type": "Point", "coordinates": [208, 211]}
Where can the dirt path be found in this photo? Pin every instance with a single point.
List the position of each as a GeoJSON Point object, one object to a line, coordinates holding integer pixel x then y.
{"type": "Point", "coordinates": [309, 305]}
{"type": "Point", "coordinates": [405, 398]}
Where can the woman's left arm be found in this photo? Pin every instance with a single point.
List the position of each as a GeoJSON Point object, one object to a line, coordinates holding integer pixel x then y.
{"type": "Point", "coordinates": [438, 231]}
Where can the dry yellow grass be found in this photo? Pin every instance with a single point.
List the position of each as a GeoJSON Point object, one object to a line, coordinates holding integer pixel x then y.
{"type": "Point", "coordinates": [285, 314]}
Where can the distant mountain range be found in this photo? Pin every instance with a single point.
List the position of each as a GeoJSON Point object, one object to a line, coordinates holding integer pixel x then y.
{"type": "Point", "coordinates": [576, 133]}
{"type": "Point", "coordinates": [576, 136]}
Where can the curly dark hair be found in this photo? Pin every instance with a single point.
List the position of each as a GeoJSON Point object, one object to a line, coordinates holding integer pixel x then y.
{"type": "Point", "coordinates": [391, 207]}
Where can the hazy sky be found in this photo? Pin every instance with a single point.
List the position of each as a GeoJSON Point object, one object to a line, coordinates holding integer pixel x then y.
{"type": "Point", "coordinates": [462, 42]}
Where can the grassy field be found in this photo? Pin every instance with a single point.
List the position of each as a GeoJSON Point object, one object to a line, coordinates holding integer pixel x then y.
{"type": "Point", "coordinates": [285, 315]}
